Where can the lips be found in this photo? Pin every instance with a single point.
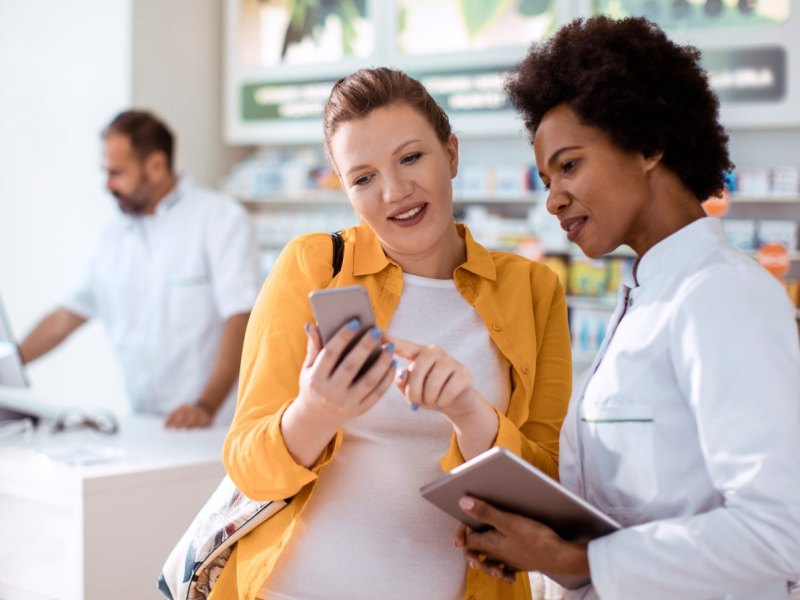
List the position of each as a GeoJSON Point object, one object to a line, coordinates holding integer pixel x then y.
{"type": "Point", "coordinates": [409, 215]}
{"type": "Point", "coordinates": [573, 227]}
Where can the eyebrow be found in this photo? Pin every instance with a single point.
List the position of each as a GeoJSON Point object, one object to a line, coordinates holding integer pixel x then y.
{"type": "Point", "coordinates": [554, 157]}
{"type": "Point", "coordinates": [397, 150]}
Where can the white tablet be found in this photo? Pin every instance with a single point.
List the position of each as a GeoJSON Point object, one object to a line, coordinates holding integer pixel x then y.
{"type": "Point", "coordinates": [504, 480]}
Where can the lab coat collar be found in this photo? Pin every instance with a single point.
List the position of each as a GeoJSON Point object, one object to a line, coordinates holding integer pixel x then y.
{"type": "Point", "coordinates": [678, 249]}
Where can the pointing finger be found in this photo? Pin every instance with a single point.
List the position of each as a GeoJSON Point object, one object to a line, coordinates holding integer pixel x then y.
{"type": "Point", "coordinates": [404, 348]}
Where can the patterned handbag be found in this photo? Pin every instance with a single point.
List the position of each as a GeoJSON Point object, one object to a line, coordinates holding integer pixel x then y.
{"type": "Point", "coordinates": [196, 562]}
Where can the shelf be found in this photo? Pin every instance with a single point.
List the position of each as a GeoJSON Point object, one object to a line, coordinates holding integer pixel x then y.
{"type": "Point", "coordinates": [765, 199]}
{"type": "Point", "coordinates": [606, 303]}
{"type": "Point", "coordinates": [584, 359]}
{"type": "Point", "coordinates": [338, 198]}
{"type": "Point", "coordinates": [495, 198]}
{"type": "Point", "coordinates": [308, 197]}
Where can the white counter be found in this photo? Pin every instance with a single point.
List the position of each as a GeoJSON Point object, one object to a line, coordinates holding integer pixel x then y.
{"type": "Point", "coordinates": [100, 531]}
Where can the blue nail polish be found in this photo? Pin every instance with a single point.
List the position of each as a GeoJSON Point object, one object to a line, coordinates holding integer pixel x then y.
{"type": "Point", "coordinates": [376, 334]}
{"type": "Point", "coordinates": [352, 325]}
{"type": "Point", "coordinates": [393, 364]}
{"type": "Point", "coordinates": [307, 327]}
{"type": "Point", "coordinates": [390, 348]}
{"type": "Point", "coordinates": [414, 406]}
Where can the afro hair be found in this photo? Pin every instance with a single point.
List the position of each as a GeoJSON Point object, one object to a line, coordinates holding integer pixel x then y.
{"type": "Point", "coordinates": [628, 79]}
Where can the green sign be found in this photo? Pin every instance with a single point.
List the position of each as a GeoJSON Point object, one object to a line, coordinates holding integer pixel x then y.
{"type": "Point", "coordinates": [459, 91]}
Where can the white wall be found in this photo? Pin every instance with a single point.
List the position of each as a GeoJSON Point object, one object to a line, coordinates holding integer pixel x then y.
{"type": "Point", "coordinates": [65, 70]}
{"type": "Point", "coordinates": [177, 73]}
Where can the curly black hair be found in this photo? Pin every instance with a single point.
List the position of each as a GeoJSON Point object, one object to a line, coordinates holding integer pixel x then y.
{"type": "Point", "coordinates": [627, 78]}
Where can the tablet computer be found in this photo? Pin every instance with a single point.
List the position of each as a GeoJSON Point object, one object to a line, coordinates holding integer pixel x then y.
{"type": "Point", "coordinates": [504, 480]}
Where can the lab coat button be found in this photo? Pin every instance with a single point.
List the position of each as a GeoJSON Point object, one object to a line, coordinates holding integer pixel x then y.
{"type": "Point", "coordinates": [497, 327]}
{"type": "Point", "coordinates": [526, 369]}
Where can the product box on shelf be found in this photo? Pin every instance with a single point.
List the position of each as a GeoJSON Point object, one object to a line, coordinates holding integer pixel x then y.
{"type": "Point", "coordinates": [587, 331]}
{"type": "Point", "coordinates": [785, 181]}
{"type": "Point", "coordinates": [778, 231]}
{"type": "Point", "coordinates": [741, 233]}
{"type": "Point", "coordinates": [587, 277]}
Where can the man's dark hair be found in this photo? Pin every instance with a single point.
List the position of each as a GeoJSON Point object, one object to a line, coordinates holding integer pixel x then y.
{"type": "Point", "coordinates": [627, 78]}
{"type": "Point", "coordinates": [146, 132]}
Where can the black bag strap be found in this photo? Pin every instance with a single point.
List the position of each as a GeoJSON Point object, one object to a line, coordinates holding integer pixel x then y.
{"type": "Point", "coordinates": [338, 252]}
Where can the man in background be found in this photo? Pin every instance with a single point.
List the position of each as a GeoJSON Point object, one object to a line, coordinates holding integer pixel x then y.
{"type": "Point", "coordinates": [173, 277]}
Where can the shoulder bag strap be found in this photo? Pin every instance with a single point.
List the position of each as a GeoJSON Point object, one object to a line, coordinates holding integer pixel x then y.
{"type": "Point", "coordinates": [338, 252]}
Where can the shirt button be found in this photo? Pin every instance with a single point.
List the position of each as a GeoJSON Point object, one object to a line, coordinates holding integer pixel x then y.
{"type": "Point", "coordinates": [497, 327]}
{"type": "Point", "coordinates": [526, 369]}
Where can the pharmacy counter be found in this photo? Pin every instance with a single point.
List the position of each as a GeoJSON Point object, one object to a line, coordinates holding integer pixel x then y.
{"type": "Point", "coordinates": [90, 516]}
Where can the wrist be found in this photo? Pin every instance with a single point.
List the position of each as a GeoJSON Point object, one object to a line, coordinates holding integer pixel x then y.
{"type": "Point", "coordinates": [310, 418]}
{"type": "Point", "coordinates": [205, 407]}
{"type": "Point", "coordinates": [574, 559]}
{"type": "Point", "coordinates": [479, 413]}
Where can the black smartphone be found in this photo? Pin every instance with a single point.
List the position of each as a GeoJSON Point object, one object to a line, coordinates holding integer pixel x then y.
{"type": "Point", "coordinates": [334, 308]}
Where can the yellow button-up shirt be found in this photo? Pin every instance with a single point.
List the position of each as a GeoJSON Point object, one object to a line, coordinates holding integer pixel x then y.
{"type": "Point", "coordinates": [524, 309]}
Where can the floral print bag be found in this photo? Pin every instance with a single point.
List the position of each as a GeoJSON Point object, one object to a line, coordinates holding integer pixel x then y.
{"type": "Point", "coordinates": [196, 562]}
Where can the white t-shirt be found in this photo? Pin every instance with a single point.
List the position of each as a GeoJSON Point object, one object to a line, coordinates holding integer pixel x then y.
{"type": "Point", "coordinates": [164, 285]}
{"type": "Point", "coordinates": [366, 532]}
{"type": "Point", "coordinates": [688, 432]}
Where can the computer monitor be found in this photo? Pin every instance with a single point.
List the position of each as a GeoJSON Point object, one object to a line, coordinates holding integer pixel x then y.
{"type": "Point", "coordinates": [12, 375]}
{"type": "Point", "coordinates": [12, 371]}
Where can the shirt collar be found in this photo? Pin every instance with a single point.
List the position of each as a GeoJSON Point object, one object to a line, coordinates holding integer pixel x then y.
{"type": "Point", "coordinates": [173, 196]}
{"type": "Point", "coordinates": [678, 248]}
{"type": "Point", "coordinates": [369, 257]}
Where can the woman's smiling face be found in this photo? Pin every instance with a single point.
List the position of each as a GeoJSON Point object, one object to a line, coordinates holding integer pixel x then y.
{"type": "Point", "coordinates": [599, 192]}
{"type": "Point", "coordinates": [398, 177]}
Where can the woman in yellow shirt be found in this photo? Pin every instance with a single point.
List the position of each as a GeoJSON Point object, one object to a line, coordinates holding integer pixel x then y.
{"type": "Point", "coordinates": [488, 365]}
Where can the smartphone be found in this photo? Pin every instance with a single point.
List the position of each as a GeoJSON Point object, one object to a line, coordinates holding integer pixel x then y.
{"type": "Point", "coordinates": [334, 308]}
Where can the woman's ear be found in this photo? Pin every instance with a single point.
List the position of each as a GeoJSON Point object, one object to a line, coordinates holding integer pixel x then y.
{"type": "Point", "coordinates": [452, 151]}
{"type": "Point", "coordinates": [650, 162]}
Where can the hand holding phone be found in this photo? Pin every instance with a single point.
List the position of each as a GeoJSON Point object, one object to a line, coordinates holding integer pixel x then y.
{"type": "Point", "coordinates": [337, 307]}
{"type": "Point", "coordinates": [329, 396]}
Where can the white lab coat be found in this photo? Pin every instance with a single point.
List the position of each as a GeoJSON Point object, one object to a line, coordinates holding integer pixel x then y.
{"type": "Point", "coordinates": [164, 285]}
{"type": "Point", "coordinates": [686, 429]}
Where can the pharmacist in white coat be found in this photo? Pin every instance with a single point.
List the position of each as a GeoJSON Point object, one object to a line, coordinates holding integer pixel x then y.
{"type": "Point", "coordinates": [686, 429]}
{"type": "Point", "coordinates": [173, 278]}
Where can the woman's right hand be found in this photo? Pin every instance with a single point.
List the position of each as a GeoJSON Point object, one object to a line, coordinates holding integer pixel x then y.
{"type": "Point", "coordinates": [328, 394]}
{"type": "Point", "coordinates": [327, 381]}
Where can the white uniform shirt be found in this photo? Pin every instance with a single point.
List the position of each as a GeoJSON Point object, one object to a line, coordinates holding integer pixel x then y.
{"type": "Point", "coordinates": [688, 433]}
{"type": "Point", "coordinates": [164, 285]}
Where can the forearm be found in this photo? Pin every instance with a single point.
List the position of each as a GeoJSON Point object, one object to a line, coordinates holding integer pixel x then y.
{"type": "Point", "coordinates": [49, 333]}
{"type": "Point", "coordinates": [226, 366]}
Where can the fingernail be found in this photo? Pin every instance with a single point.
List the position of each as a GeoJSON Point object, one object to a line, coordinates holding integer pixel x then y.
{"type": "Point", "coordinates": [466, 503]}
{"type": "Point", "coordinates": [307, 327]}
{"type": "Point", "coordinates": [474, 564]}
{"type": "Point", "coordinates": [352, 325]}
{"type": "Point", "coordinates": [400, 374]}
{"type": "Point", "coordinates": [390, 347]}
{"type": "Point", "coordinates": [393, 364]}
{"type": "Point", "coordinates": [414, 406]}
{"type": "Point", "coordinates": [376, 334]}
